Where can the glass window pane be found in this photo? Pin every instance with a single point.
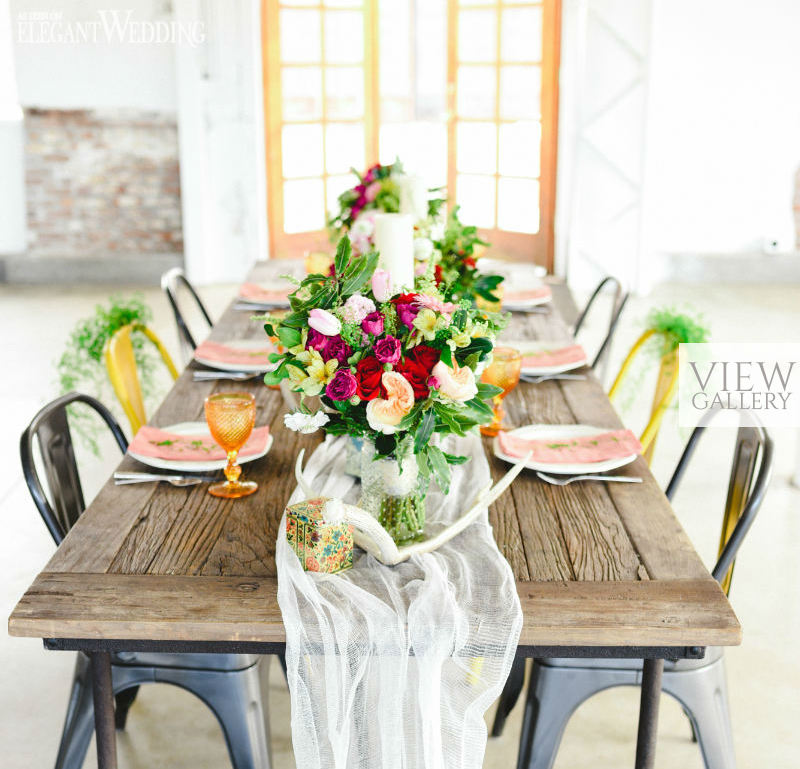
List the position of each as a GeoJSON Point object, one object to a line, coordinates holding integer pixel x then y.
{"type": "Point", "coordinates": [518, 205]}
{"type": "Point", "coordinates": [475, 195]}
{"type": "Point", "coordinates": [476, 91]}
{"type": "Point", "coordinates": [344, 37]}
{"type": "Point", "coordinates": [301, 92]}
{"type": "Point", "coordinates": [343, 3]}
{"type": "Point", "coordinates": [344, 147]}
{"type": "Point", "coordinates": [303, 206]}
{"type": "Point", "coordinates": [476, 148]}
{"type": "Point", "coordinates": [344, 92]}
{"type": "Point", "coordinates": [477, 35]}
{"type": "Point", "coordinates": [335, 186]}
{"type": "Point", "coordinates": [521, 34]}
{"type": "Point", "coordinates": [421, 146]}
{"type": "Point", "coordinates": [520, 93]}
{"type": "Point", "coordinates": [300, 36]}
{"type": "Point", "coordinates": [520, 145]}
{"type": "Point", "coordinates": [302, 150]}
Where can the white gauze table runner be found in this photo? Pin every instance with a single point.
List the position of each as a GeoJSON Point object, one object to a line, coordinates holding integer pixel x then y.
{"type": "Point", "coordinates": [394, 667]}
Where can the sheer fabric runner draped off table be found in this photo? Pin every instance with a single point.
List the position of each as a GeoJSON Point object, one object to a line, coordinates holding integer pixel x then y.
{"type": "Point", "coordinates": [394, 667]}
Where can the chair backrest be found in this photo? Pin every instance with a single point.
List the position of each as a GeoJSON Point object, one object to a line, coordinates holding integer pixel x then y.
{"type": "Point", "coordinates": [666, 389]}
{"type": "Point", "coordinates": [50, 428]}
{"type": "Point", "coordinates": [171, 283]}
{"type": "Point", "coordinates": [122, 371]}
{"type": "Point", "coordinates": [617, 306]}
{"type": "Point", "coordinates": [750, 473]}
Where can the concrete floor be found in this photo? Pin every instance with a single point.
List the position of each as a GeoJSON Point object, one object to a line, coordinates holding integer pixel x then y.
{"type": "Point", "coordinates": [167, 727]}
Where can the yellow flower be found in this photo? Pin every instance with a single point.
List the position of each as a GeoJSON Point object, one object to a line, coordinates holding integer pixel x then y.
{"type": "Point", "coordinates": [428, 323]}
{"type": "Point", "coordinates": [318, 372]}
{"type": "Point", "coordinates": [459, 338]}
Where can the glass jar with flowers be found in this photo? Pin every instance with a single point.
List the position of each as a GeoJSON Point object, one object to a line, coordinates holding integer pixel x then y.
{"type": "Point", "coordinates": [396, 370]}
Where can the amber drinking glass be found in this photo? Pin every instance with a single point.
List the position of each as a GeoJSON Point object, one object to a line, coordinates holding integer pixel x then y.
{"type": "Point", "coordinates": [230, 418]}
{"type": "Point", "coordinates": [503, 372]}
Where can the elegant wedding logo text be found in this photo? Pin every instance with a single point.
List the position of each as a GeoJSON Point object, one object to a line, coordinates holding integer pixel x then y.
{"type": "Point", "coordinates": [111, 26]}
{"type": "Point", "coordinates": [760, 378]}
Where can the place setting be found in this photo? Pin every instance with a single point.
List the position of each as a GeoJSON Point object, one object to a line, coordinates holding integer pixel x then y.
{"type": "Point", "coordinates": [254, 297]}
{"type": "Point", "coordinates": [237, 359]}
{"type": "Point", "coordinates": [542, 360]}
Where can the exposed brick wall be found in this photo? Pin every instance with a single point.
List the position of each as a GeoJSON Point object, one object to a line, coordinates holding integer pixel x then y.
{"type": "Point", "coordinates": [101, 183]}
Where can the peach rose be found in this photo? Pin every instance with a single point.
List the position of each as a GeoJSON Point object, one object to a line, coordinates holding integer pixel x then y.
{"type": "Point", "coordinates": [384, 414]}
{"type": "Point", "coordinates": [456, 383]}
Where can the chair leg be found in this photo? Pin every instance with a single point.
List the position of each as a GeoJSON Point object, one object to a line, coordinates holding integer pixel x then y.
{"type": "Point", "coordinates": [79, 721]}
{"type": "Point", "coordinates": [123, 702]}
{"type": "Point", "coordinates": [235, 698]}
{"type": "Point", "coordinates": [554, 693]}
{"type": "Point", "coordinates": [703, 693]}
{"type": "Point", "coordinates": [509, 695]}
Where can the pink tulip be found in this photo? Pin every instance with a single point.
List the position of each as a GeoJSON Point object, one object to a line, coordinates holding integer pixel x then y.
{"type": "Point", "coordinates": [372, 191]}
{"type": "Point", "coordinates": [324, 322]}
{"type": "Point", "coordinates": [382, 285]}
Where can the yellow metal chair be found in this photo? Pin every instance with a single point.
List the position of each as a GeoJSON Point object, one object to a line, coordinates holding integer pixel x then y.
{"type": "Point", "coordinates": [666, 388]}
{"type": "Point", "coordinates": [121, 367]}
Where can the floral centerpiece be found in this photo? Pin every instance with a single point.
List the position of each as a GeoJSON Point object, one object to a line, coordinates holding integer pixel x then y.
{"type": "Point", "coordinates": [392, 369]}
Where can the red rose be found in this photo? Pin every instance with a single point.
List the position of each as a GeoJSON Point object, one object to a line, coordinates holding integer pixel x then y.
{"type": "Point", "coordinates": [416, 368]}
{"type": "Point", "coordinates": [405, 299]}
{"type": "Point", "coordinates": [437, 274]}
{"type": "Point", "coordinates": [469, 262]}
{"type": "Point", "coordinates": [369, 371]}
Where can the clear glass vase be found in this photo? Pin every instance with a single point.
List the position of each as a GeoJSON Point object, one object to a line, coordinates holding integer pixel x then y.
{"type": "Point", "coordinates": [394, 492]}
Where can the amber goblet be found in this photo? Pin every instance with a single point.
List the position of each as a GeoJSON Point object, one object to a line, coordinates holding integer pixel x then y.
{"type": "Point", "coordinates": [230, 418]}
{"type": "Point", "coordinates": [503, 372]}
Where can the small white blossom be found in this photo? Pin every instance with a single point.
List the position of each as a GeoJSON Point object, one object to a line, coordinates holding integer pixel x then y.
{"type": "Point", "coordinates": [305, 423]}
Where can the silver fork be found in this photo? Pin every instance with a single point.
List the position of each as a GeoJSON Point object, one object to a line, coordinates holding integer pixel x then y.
{"type": "Point", "coordinates": [236, 376]}
{"type": "Point", "coordinates": [548, 377]}
{"type": "Point", "coordinates": [573, 478]}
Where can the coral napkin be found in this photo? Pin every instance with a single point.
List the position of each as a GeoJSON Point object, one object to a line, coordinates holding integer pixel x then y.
{"type": "Point", "coordinates": [233, 356]}
{"type": "Point", "coordinates": [614, 444]}
{"type": "Point", "coordinates": [152, 442]}
{"type": "Point", "coordinates": [528, 295]}
{"type": "Point", "coordinates": [558, 356]}
{"type": "Point", "coordinates": [254, 293]}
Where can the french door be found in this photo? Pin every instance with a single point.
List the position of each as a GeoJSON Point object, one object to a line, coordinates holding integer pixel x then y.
{"type": "Point", "coordinates": [463, 91]}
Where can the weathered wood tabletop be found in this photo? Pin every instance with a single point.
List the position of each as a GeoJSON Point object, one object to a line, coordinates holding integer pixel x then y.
{"type": "Point", "coordinates": [596, 564]}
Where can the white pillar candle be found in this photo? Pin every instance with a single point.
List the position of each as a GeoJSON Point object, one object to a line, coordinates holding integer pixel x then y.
{"type": "Point", "coordinates": [414, 197]}
{"type": "Point", "coordinates": [394, 240]}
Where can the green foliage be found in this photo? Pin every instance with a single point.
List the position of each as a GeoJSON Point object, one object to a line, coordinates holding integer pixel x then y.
{"type": "Point", "coordinates": [677, 328]}
{"type": "Point", "coordinates": [81, 365]}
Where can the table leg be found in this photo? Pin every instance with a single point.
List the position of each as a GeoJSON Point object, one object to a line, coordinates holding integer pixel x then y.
{"type": "Point", "coordinates": [648, 714]}
{"type": "Point", "coordinates": [103, 693]}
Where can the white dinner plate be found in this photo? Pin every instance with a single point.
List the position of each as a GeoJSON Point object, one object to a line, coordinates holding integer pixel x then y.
{"type": "Point", "coordinates": [560, 432]}
{"type": "Point", "coordinates": [241, 344]}
{"type": "Point", "coordinates": [520, 305]}
{"type": "Point", "coordinates": [511, 271]}
{"type": "Point", "coordinates": [530, 346]}
{"type": "Point", "coordinates": [194, 428]}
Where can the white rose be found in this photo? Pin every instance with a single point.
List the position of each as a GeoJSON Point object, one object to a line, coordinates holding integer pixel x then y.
{"type": "Point", "coordinates": [423, 248]}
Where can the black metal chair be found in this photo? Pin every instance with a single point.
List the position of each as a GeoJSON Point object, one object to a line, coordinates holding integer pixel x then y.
{"type": "Point", "coordinates": [558, 686]}
{"type": "Point", "coordinates": [172, 282]}
{"type": "Point", "coordinates": [617, 306]}
{"type": "Point", "coordinates": [230, 684]}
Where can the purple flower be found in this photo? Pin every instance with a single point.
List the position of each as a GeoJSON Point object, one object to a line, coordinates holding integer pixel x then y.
{"type": "Point", "coordinates": [387, 350]}
{"type": "Point", "coordinates": [316, 341]}
{"type": "Point", "coordinates": [373, 323]}
{"type": "Point", "coordinates": [407, 313]}
{"type": "Point", "coordinates": [433, 382]}
{"type": "Point", "coordinates": [343, 385]}
{"type": "Point", "coordinates": [337, 348]}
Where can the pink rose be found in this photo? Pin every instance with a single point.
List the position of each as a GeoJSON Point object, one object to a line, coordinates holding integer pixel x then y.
{"type": "Point", "coordinates": [343, 385]}
{"type": "Point", "coordinates": [456, 383]}
{"type": "Point", "coordinates": [373, 324]}
{"type": "Point", "coordinates": [372, 191]}
{"type": "Point", "coordinates": [387, 350]}
{"type": "Point", "coordinates": [316, 341]}
{"type": "Point", "coordinates": [382, 285]}
{"type": "Point", "coordinates": [433, 382]}
{"type": "Point", "coordinates": [324, 322]}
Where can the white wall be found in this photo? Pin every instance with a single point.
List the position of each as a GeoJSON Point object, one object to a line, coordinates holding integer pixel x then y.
{"type": "Point", "coordinates": [93, 75]}
{"type": "Point", "coordinates": [724, 124]}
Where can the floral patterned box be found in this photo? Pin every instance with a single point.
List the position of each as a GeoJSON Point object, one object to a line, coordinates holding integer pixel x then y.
{"type": "Point", "coordinates": [320, 545]}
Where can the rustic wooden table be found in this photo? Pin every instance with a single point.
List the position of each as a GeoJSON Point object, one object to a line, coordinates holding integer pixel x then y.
{"type": "Point", "coordinates": [601, 569]}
